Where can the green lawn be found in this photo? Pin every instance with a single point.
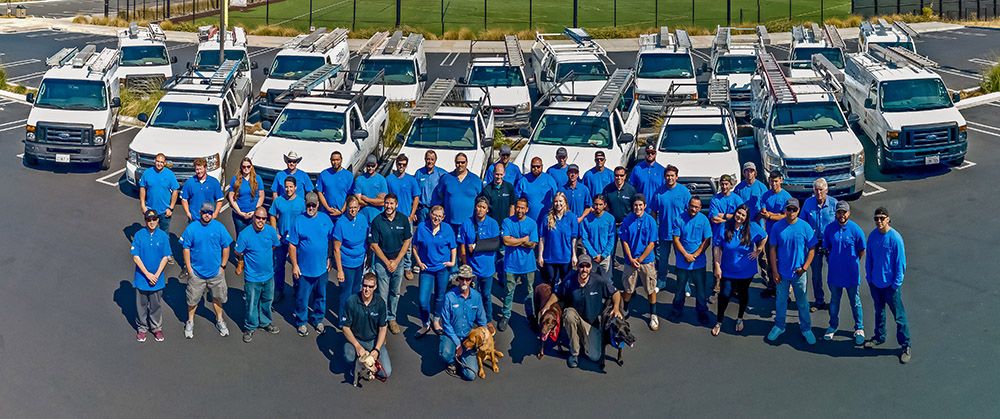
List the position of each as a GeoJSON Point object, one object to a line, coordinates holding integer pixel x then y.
{"type": "Point", "coordinates": [546, 14]}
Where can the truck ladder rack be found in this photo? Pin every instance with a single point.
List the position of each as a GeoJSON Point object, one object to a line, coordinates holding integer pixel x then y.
{"type": "Point", "coordinates": [104, 61]}
{"type": "Point", "coordinates": [832, 36]}
{"type": "Point", "coordinates": [775, 78]}
{"type": "Point", "coordinates": [393, 44]}
{"type": "Point", "coordinates": [61, 57]}
{"type": "Point", "coordinates": [515, 58]}
{"type": "Point", "coordinates": [718, 91]}
{"type": "Point", "coordinates": [156, 32]}
{"type": "Point", "coordinates": [374, 43]}
{"type": "Point", "coordinates": [411, 44]}
{"type": "Point", "coordinates": [84, 55]}
{"type": "Point", "coordinates": [683, 40]}
{"type": "Point", "coordinates": [903, 27]}
{"type": "Point", "coordinates": [900, 57]}
{"type": "Point", "coordinates": [324, 43]}
{"type": "Point", "coordinates": [432, 99]}
{"type": "Point", "coordinates": [611, 93]}
{"type": "Point", "coordinates": [310, 81]}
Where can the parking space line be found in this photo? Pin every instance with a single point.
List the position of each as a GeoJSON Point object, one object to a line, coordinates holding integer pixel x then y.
{"type": "Point", "coordinates": [994, 104]}
{"type": "Point", "coordinates": [959, 73]}
{"type": "Point", "coordinates": [104, 180]}
{"type": "Point", "coordinates": [965, 165]}
{"type": "Point", "coordinates": [970, 129]}
{"type": "Point", "coordinates": [73, 38]}
{"type": "Point", "coordinates": [20, 156]}
{"type": "Point", "coordinates": [260, 52]}
{"type": "Point", "coordinates": [28, 76]}
{"type": "Point", "coordinates": [878, 189]}
{"type": "Point", "coordinates": [984, 126]}
{"type": "Point", "coordinates": [5, 124]}
{"type": "Point", "coordinates": [701, 55]}
{"type": "Point", "coordinates": [39, 35]}
{"type": "Point", "coordinates": [179, 46]}
{"type": "Point", "coordinates": [446, 57]}
{"type": "Point", "coordinates": [122, 131]}
{"type": "Point", "coordinates": [13, 64]}
{"type": "Point", "coordinates": [981, 61]}
{"type": "Point", "coordinates": [12, 127]}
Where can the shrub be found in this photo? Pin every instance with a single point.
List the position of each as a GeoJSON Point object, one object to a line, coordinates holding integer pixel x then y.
{"type": "Point", "coordinates": [399, 123]}
{"type": "Point", "coordinates": [991, 80]}
{"type": "Point", "coordinates": [134, 103]}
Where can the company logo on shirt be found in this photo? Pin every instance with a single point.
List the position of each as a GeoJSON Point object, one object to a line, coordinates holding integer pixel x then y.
{"type": "Point", "coordinates": [454, 306]}
{"type": "Point", "coordinates": [593, 293]}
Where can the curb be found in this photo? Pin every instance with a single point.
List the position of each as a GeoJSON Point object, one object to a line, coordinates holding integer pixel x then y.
{"type": "Point", "coordinates": [978, 100]}
{"type": "Point", "coordinates": [12, 96]}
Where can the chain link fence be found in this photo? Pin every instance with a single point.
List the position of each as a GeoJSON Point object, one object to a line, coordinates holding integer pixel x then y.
{"type": "Point", "coordinates": [949, 9]}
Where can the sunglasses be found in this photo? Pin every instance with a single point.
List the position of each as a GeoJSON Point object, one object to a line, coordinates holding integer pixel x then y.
{"type": "Point", "coordinates": [600, 159]}
{"type": "Point", "coordinates": [247, 166]}
{"type": "Point", "coordinates": [460, 279]}
{"type": "Point", "coordinates": [536, 166]}
{"type": "Point", "coordinates": [881, 218]}
{"type": "Point", "coordinates": [583, 265]}
{"type": "Point", "coordinates": [461, 162]}
{"type": "Point", "coordinates": [257, 217]}
{"type": "Point", "coordinates": [792, 209]}
{"type": "Point", "coordinates": [371, 165]}
{"type": "Point", "coordinates": [312, 205]}
{"type": "Point", "coordinates": [148, 219]}
{"type": "Point", "coordinates": [619, 175]}
{"type": "Point", "coordinates": [367, 286]}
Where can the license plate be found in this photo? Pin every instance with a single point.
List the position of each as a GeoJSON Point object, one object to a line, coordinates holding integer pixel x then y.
{"type": "Point", "coordinates": [62, 158]}
{"type": "Point", "coordinates": [932, 159]}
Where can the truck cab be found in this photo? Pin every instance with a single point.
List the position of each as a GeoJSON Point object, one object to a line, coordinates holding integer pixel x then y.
{"type": "Point", "coordinates": [206, 60]}
{"type": "Point", "coordinates": [734, 59]}
{"type": "Point", "coordinates": [898, 34]}
{"type": "Point", "coordinates": [664, 59]}
{"type": "Point", "coordinates": [144, 62]}
{"type": "Point", "coordinates": [399, 61]}
{"type": "Point", "coordinates": [802, 132]}
{"type": "Point", "coordinates": [608, 121]}
{"type": "Point", "coordinates": [75, 112]}
{"type": "Point", "coordinates": [904, 108]}
{"type": "Point", "coordinates": [808, 41]}
{"type": "Point", "coordinates": [198, 117]}
{"type": "Point", "coordinates": [503, 80]}
{"type": "Point", "coordinates": [570, 62]}
{"type": "Point", "coordinates": [299, 57]}
{"type": "Point", "coordinates": [449, 125]}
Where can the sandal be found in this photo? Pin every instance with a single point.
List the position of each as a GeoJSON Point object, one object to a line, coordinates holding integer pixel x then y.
{"type": "Point", "coordinates": [716, 329]}
{"type": "Point", "coordinates": [739, 325]}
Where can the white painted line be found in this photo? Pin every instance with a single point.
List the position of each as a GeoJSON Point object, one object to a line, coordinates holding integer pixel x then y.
{"type": "Point", "coordinates": [25, 77]}
{"type": "Point", "coordinates": [20, 156]}
{"type": "Point", "coordinates": [446, 57]}
{"type": "Point", "coordinates": [958, 73]}
{"type": "Point", "coordinates": [73, 38]}
{"type": "Point", "coordinates": [982, 62]}
{"type": "Point", "coordinates": [104, 180]}
{"type": "Point", "coordinates": [38, 35]}
{"type": "Point", "coordinates": [11, 128]}
{"type": "Point", "coordinates": [967, 164]}
{"type": "Point", "coordinates": [970, 129]}
{"type": "Point", "coordinates": [13, 64]}
{"type": "Point", "coordinates": [307, 14]}
{"type": "Point", "coordinates": [780, 47]}
{"type": "Point", "coordinates": [179, 46]}
{"type": "Point", "coordinates": [260, 52]}
{"type": "Point", "coordinates": [983, 126]}
{"type": "Point", "coordinates": [701, 55]}
{"type": "Point", "coordinates": [994, 104]}
{"type": "Point", "coordinates": [452, 62]}
{"type": "Point", "coordinates": [122, 131]}
{"type": "Point", "coordinates": [10, 123]}
{"type": "Point", "coordinates": [878, 189]}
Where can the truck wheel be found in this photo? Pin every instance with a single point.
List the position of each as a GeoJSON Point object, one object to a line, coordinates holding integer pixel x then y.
{"type": "Point", "coordinates": [106, 163]}
{"type": "Point", "coordinates": [242, 141]}
{"type": "Point", "coordinates": [883, 165]}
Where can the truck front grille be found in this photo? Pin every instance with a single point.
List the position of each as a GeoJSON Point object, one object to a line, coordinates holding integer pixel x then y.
{"type": "Point", "coordinates": [54, 132]}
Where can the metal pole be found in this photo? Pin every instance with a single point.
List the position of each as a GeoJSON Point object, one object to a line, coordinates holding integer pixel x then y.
{"type": "Point", "coordinates": [960, 9]}
{"type": "Point", "coordinates": [222, 34]}
{"type": "Point", "coordinates": [898, 6]}
{"type": "Point", "coordinates": [978, 10]}
{"type": "Point", "coordinates": [106, 5]}
{"type": "Point", "coordinates": [941, 7]}
{"type": "Point", "coordinates": [143, 9]}
{"type": "Point", "coordinates": [354, 15]}
{"type": "Point", "coordinates": [442, 17]}
{"type": "Point", "coordinates": [789, 10]}
{"type": "Point", "coordinates": [397, 11]}
{"type": "Point", "coordinates": [921, 6]}
{"type": "Point", "coordinates": [692, 12]}
{"type": "Point", "coordinates": [729, 12]}
{"type": "Point", "coordinates": [875, 12]}
{"type": "Point", "coordinates": [822, 14]}
{"type": "Point", "coordinates": [267, 12]}
{"type": "Point", "coordinates": [758, 10]}
{"type": "Point", "coordinates": [614, 22]}
{"type": "Point", "coordinates": [575, 10]}
{"type": "Point", "coordinates": [656, 12]}
{"type": "Point", "coordinates": [484, 14]}
{"type": "Point", "coordinates": [194, 9]}
{"type": "Point", "coordinates": [530, 14]}
{"type": "Point", "coordinates": [310, 14]}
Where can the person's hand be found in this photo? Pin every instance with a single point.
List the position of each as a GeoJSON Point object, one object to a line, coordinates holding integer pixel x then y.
{"type": "Point", "coordinates": [377, 352]}
{"type": "Point", "coordinates": [799, 271]}
{"type": "Point", "coordinates": [169, 212]}
{"type": "Point", "coordinates": [689, 258]}
{"type": "Point", "coordinates": [412, 218]}
{"type": "Point", "coordinates": [777, 277]}
{"type": "Point", "coordinates": [296, 272]}
{"type": "Point", "coordinates": [636, 263]}
{"type": "Point", "coordinates": [540, 262]}
{"type": "Point", "coordinates": [755, 253]}
{"type": "Point", "coordinates": [617, 313]}
{"type": "Point", "coordinates": [573, 260]}
{"type": "Point", "coordinates": [191, 272]}
{"type": "Point", "coordinates": [448, 264]}
{"type": "Point", "coordinates": [392, 265]}
{"type": "Point", "coordinates": [598, 259]}
{"type": "Point", "coordinates": [340, 276]}
{"type": "Point", "coordinates": [458, 350]}
{"type": "Point", "coordinates": [151, 278]}
{"type": "Point", "coordinates": [190, 218]}
{"type": "Point", "coordinates": [579, 220]}
{"type": "Point", "coordinates": [239, 267]}
{"type": "Point", "coordinates": [530, 245]}
{"type": "Point", "coordinates": [360, 351]}
{"type": "Point", "coordinates": [718, 273]}
{"type": "Point", "coordinates": [328, 264]}
{"type": "Point", "coordinates": [422, 265]}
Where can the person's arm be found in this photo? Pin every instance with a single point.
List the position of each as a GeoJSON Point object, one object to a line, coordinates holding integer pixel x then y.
{"type": "Point", "coordinates": [412, 216]}
{"type": "Point", "coordinates": [218, 209]}
{"type": "Point", "coordinates": [680, 248]}
{"type": "Point", "coordinates": [349, 336]}
{"type": "Point", "coordinates": [402, 252]}
{"type": "Point", "coordinates": [772, 258]}
{"type": "Point", "coordinates": [337, 261]}
{"type": "Point", "coordinates": [548, 304]}
{"type": "Point", "coordinates": [380, 341]}
{"type": "Point", "coordinates": [187, 261]}
{"type": "Point", "coordinates": [900, 262]}
{"type": "Point", "coordinates": [260, 198]}
{"type": "Point", "coordinates": [451, 262]}
{"type": "Point", "coordinates": [585, 236]}
{"type": "Point", "coordinates": [541, 250]}
{"type": "Point", "coordinates": [142, 199]}
{"type": "Point", "coordinates": [293, 254]}
{"type": "Point", "coordinates": [512, 242]}
{"type": "Point", "coordinates": [446, 324]}
{"type": "Point", "coordinates": [274, 221]}
{"type": "Point", "coordinates": [462, 253]}
{"type": "Point", "coordinates": [808, 262]}
{"type": "Point", "coordinates": [616, 298]}
{"type": "Point", "coordinates": [173, 202]}
{"type": "Point", "coordinates": [704, 245]}
{"type": "Point", "coordinates": [627, 251]}
{"type": "Point", "coordinates": [187, 208]}
{"type": "Point", "coordinates": [717, 262]}
{"type": "Point", "coordinates": [416, 257]}
{"type": "Point", "coordinates": [326, 204]}
{"type": "Point", "coordinates": [379, 253]}
{"type": "Point", "coordinates": [231, 199]}
{"type": "Point", "coordinates": [142, 268]}
{"type": "Point", "coordinates": [225, 257]}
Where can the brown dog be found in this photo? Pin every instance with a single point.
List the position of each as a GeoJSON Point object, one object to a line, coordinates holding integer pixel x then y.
{"type": "Point", "coordinates": [549, 322]}
{"type": "Point", "coordinates": [481, 339]}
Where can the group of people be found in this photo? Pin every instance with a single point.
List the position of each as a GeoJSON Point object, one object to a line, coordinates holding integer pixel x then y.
{"type": "Point", "coordinates": [456, 233]}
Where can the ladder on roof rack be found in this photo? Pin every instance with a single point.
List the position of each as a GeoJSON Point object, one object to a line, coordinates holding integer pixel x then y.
{"type": "Point", "coordinates": [799, 33]}
{"type": "Point", "coordinates": [309, 82]}
{"type": "Point", "coordinates": [393, 44]}
{"type": "Point", "coordinates": [775, 78]}
{"type": "Point", "coordinates": [432, 99]}
{"type": "Point", "coordinates": [311, 38]}
{"type": "Point", "coordinates": [411, 44]}
{"type": "Point", "coordinates": [722, 35]}
{"type": "Point", "coordinates": [903, 27]}
{"type": "Point", "coordinates": [84, 55]}
{"type": "Point", "coordinates": [374, 43]}
{"type": "Point", "coordinates": [61, 57]}
{"type": "Point", "coordinates": [683, 40]}
{"type": "Point", "coordinates": [612, 91]}
{"type": "Point", "coordinates": [900, 57]}
{"type": "Point", "coordinates": [329, 40]}
{"type": "Point", "coordinates": [832, 36]}
{"type": "Point", "coordinates": [107, 58]}
{"type": "Point", "coordinates": [224, 74]}
{"type": "Point", "coordinates": [156, 32]}
{"type": "Point", "coordinates": [718, 91]}
{"type": "Point", "coordinates": [867, 28]}
{"type": "Point", "coordinates": [515, 58]}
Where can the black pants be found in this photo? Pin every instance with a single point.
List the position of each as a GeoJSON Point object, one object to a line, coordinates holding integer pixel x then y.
{"type": "Point", "coordinates": [765, 268]}
{"type": "Point", "coordinates": [554, 272]}
{"type": "Point", "coordinates": [733, 288]}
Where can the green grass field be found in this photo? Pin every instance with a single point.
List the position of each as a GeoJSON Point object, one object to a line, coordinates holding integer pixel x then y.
{"type": "Point", "coordinates": [514, 14]}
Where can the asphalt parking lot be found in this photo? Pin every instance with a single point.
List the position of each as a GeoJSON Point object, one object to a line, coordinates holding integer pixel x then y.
{"type": "Point", "coordinates": [67, 348]}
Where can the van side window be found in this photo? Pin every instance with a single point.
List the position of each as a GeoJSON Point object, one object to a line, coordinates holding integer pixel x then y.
{"type": "Point", "coordinates": [616, 121]}
{"type": "Point", "coordinates": [356, 123]}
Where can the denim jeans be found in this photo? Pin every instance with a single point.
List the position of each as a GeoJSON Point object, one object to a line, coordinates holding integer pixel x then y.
{"type": "Point", "coordinates": [798, 285]}
{"type": "Point", "coordinates": [663, 266]}
{"type": "Point", "coordinates": [350, 286]}
{"type": "Point", "coordinates": [485, 286]}
{"type": "Point", "coordinates": [853, 298]}
{"type": "Point", "coordinates": [894, 299]}
{"type": "Point", "coordinates": [280, 260]}
{"type": "Point", "coordinates": [554, 273]}
{"type": "Point", "coordinates": [699, 279]}
{"type": "Point", "coordinates": [239, 223]}
{"type": "Point", "coordinates": [468, 366]}
{"type": "Point", "coordinates": [258, 297]}
{"type": "Point", "coordinates": [510, 283]}
{"type": "Point", "coordinates": [436, 283]}
{"type": "Point", "coordinates": [165, 223]}
{"type": "Point", "coordinates": [310, 299]}
{"type": "Point", "coordinates": [388, 286]}
{"type": "Point", "coordinates": [816, 275]}
{"type": "Point", "coordinates": [383, 356]}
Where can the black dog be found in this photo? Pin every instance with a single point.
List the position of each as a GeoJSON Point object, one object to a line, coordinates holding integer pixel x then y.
{"type": "Point", "coordinates": [615, 332]}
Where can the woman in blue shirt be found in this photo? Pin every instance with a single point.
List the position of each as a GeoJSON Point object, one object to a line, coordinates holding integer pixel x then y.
{"type": "Point", "coordinates": [434, 250]}
{"type": "Point", "coordinates": [736, 252]}
{"type": "Point", "coordinates": [481, 230]}
{"type": "Point", "coordinates": [559, 232]}
{"type": "Point", "coordinates": [246, 193]}
{"type": "Point", "coordinates": [350, 235]}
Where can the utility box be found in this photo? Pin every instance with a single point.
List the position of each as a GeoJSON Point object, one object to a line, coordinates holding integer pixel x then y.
{"type": "Point", "coordinates": [20, 12]}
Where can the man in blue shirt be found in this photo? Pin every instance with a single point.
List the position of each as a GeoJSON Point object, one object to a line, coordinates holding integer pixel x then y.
{"type": "Point", "coordinates": [283, 212]}
{"type": "Point", "coordinates": [723, 205]}
{"type": "Point", "coordinates": [638, 236]}
{"type": "Point", "coordinates": [150, 251]}
{"type": "Point", "coordinates": [751, 191]}
{"type": "Point", "coordinates": [598, 177]}
{"type": "Point", "coordinates": [407, 192]}
{"type": "Point", "coordinates": [457, 192]}
{"type": "Point", "coordinates": [206, 251]}
{"type": "Point", "coordinates": [309, 250]}
{"type": "Point", "coordinates": [771, 209]}
{"type": "Point", "coordinates": [520, 236]}
{"type": "Point", "coordinates": [885, 266]}
{"type": "Point", "coordinates": [538, 188]}
{"type": "Point", "coordinates": [668, 204]}
{"type": "Point", "coordinates": [199, 189]}
{"type": "Point", "coordinates": [558, 170]}
{"type": "Point", "coordinates": [793, 246]}
{"type": "Point", "coordinates": [647, 176]}
{"type": "Point", "coordinates": [302, 180]}
{"type": "Point", "coordinates": [597, 233]}
{"type": "Point", "coordinates": [818, 211]}
{"type": "Point", "coordinates": [479, 240]}
{"type": "Point", "coordinates": [428, 178]}
{"type": "Point", "coordinates": [511, 174]}
{"type": "Point", "coordinates": [844, 246]}
{"type": "Point", "coordinates": [370, 188]}
{"type": "Point", "coordinates": [578, 196]}
{"type": "Point", "coordinates": [255, 249]}
{"type": "Point", "coordinates": [158, 189]}
{"type": "Point", "coordinates": [692, 237]}
{"type": "Point", "coordinates": [462, 311]}
{"type": "Point", "coordinates": [333, 185]}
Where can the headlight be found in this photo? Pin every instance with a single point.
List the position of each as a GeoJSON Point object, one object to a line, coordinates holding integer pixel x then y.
{"type": "Point", "coordinates": [29, 133]}
{"type": "Point", "coordinates": [523, 106]}
{"type": "Point", "coordinates": [772, 163]}
{"type": "Point", "coordinates": [213, 161]}
{"type": "Point", "coordinates": [99, 136]}
{"type": "Point", "coordinates": [894, 143]}
{"type": "Point", "coordinates": [963, 132]}
{"type": "Point", "coordinates": [409, 104]}
{"type": "Point", "coordinates": [133, 157]}
{"type": "Point", "coordinates": [858, 160]}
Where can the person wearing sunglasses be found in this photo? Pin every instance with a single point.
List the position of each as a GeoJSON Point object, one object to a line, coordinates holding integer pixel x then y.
{"type": "Point", "coordinates": [407, 192]}
{"type": "Point", "coordinates": [302, 181]}
{"type": "Point", "coordinates": [511, 173]}
{"type": "Point", "coordinates": [598, 177]}
{"type": "Point", "coordinates": [461, 311]}
{"type": "Point", "coordinates": [255, 249]}
{"type": "Point", "coordinates": [771, 209]}
{"type": "Point", "coordinates": [819, 211]}
{"type": "Point", "coordinates": [309, 250]}
{"type": "Point", "coordinates": [333, 184]}
{"type": "Point", "coordinates": [370, 188]}
{"type": "Point", "coordinates": [150, 251]}
{"type": "Point", "coordinates": [585, 296]}
{"type": "Point", "coordinates": [538, 188]}
{"type": "Point", "coordinates": [559, 170]}
{"type": "Point", "coordinates": [389, 239]}
{"type": "Point", "coordinates": [206, 251]}
{"type": "Point", "coordinates": [667, 205]}
{"type": "Point", "coordinates": [885, 266]}
{"type": "Point", "coordinates": [198, 190]}
{"type": "Point", "coordinates": [365, 327]}
{"type": "Point", "coordinates": [578, 195]}
{"type": "Point", "coordinates": [350, 239]}
{"type": "Point", "coordinates": [435, 253]}
{"type": "Point", "coordinates": [283, 212]}
{"type": "Point", "coordinates": [793, 247]}
{"type": "Point", "coordinates": [647, 175]}
{"type": "Point", "coordinates": [246, 194]}
{"type": "Point", "coordinates": [457, 193]}
{"type": "Point", "coordinates": [844, 242]}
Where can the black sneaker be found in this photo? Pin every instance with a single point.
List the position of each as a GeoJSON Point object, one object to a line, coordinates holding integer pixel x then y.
{"type": "Point", "coordinates": [572, 361]}
{"type": "Point", "coordinates": [873, 343]}
{"type": "Point", "coordinates": [247, 336]}
{"type": "Point", "coordinates": [502, 324]}
{"type": "Point", "coordinates": [904, 357]}
{"type": "Point", "coordinates": [271, 328]}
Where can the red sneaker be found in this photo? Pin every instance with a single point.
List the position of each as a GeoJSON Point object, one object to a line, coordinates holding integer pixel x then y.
{"type": "Point", "coordinates": [158, 335]}
{"type": "Point", "coordinates": [140, 336]}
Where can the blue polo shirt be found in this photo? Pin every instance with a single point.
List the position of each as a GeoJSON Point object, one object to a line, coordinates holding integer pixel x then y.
{"type": "Point", "coordinates": [311, 237]}
{"type": "Point", "coordinates": [736, 262]}
{"type": "Point", "coordinates": [598, 234]}
{"type": "Point", "coordinates": [792, 243]}
{"type": "Point", "coordinates": [774, 202]}
{"type": "Point", "coordinates": [538, 190]}
{"type": "Point", "coordinates": [639, 232]}
{"type": "Point", "coordinates": [459, 196]}
{"type": "Point", "coordinates": [206, 242]}
{"type": "Point", "coordinates": [257, 248]}
{"type": "Point", "coordinates": [459, 315]}
{"type": "Point", "coordinates": [159, 187]}
{"type": "Point", "coordinates": [302, 182]}
{"type": "Point", "coordinates": [693, 231]}
{"type": "Point", "coordinates": [646, 177]}
{"type": "Point", "coordinates": [751, 194]}
{"type": "Point", "coordinates": [434, 249]}
{"type": "Point", "coordinates": [370, 187]}
{"type": "Point", "coordinates": [559, 174]}
{"type": "Point", "coordinates": [559, 240]}
{"type": "Point", "coordinates": [352, 235]}
{"type": "Point", "coordinates": [722, 204]}
{"type": "Point", "coordinates": [597, 181]}
{"type": "Point", "coordinates": [819, 217]}
{"type": "Point", "coordinates": [405, 188]}
{"type": "Point", "coordinates": [520, 260]}
{"type": "Point", "coordinates": [428, 182]}
{"type": "Point", "coordinates": [845, 243]}
{"type": "Point", "coordinates": [151, 248]}
{"type": "Point", "coordinates": [334, 186]}
{"type": "Point", "coordinates": [196, 192]}
{"type": "Point", "coordinates": [885, 259]}
{"type": "Point", "coordinates": [668, 204]}
{"type": "Point", "coordinates": [511, 173]}
{"type": "Point", "coordinates": [578, 198]}
{"type": "Point", "coordinates": [246, 198]}
{"type": "Point", "coordinates": [286, 211]}
{"type": "Point", "coordinates": [483, 264]}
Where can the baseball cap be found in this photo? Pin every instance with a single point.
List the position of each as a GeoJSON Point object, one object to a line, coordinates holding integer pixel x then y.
{"type": "Point", "coordinates": [792, 202]}
{"type": "Point", "coordinates": [561, 152]}
{"type": "Point", "coordinates": [505, 150]}
{"type": "Point", "coordinates": [843, 206]}
{"type": "Point", "coordinates": [650, 147]}
{"type": "Point", "coordinates": [312, 198]}
{"type": "Point", "coordinates": [465, 271]}
{"type": "Point", "coordinates": [207, 207]}
{"type": "Point", "coordinates": [750, 165]}
{"type": "Point", "coordinates": [584, 258]}
{"type": "Point", "coordinates": [882, 211]}
{"type": "Point", "coordinates": [371, 160]}
{"type": "Point", "coordinates": [150, 215]}
{"type": "Point", "coordinates": [599, 154]}
{"type": "Point", "coordinates": [573, 168]}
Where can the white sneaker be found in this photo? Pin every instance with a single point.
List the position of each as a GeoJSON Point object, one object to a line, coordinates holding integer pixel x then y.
{"type": "Point", "coordinates": [223, 330]}
{"type": "Point", "coordinates": [189, 329]}
{"type": "Point", "coordinates": [654, 322]}
{"type": "Point", "coordinates": [829, 334]}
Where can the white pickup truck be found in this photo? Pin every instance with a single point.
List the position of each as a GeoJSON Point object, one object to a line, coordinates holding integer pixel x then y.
{"type": "Point", "coordinates": [812, 40]}
{"type": "Point", "coordinates": [144, 62]}
{"type": "Point", "coordinates": [298, 58]}
{"type": "Point", "coordinates": [569, 62]}
{"type": "Point", "coordinates": [734, 59]}
{"type": "Point", "coordinates": [898, 34]}
{"type": "Point", "coordinates": [502, 78]}
{"type": "Point", "coordinates": [206, 60]}
{"type": "Point", "coordinates": [665, 59]}
{"type": "Point", "coordinates": [395, 65]}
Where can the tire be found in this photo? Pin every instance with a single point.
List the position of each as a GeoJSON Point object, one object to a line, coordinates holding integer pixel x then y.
{"type": "Point", "coordinates": [883, 165]}
{"type": "Point", "coordinates": [242, 141]}
{"type": "Point", "coordinates": [106, 163]}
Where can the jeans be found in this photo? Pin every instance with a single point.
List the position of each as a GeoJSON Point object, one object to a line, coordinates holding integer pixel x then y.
{"type": "Point", "coordinates": [467, 365]}
{"type": "Point", "coordinates": [730, 288]}
{"type": "Point", "coordinates": [350, 286]}
{"type": "Point", "coordinates": [383, 356]}
{"type": "Point", "coordinates": [853, 298]}
{"type": "Point", "coordinates": [485, 286]}
{"type": "Point", "coordinates": [258, 297]}
{"type": "Point", "coordinates": [239, 223]}
{"type": "Point", "coordinates": [510, 284]}
{"type": "Point", "coordinates": [310, 299]}
{"type": "Point", "coordinates": [798, 285]}
{"type": "Point", "coordinates": [816, 275]}
{"type": "Point", "coordinates": [582, 336]}
{"type": "Point", "coordinates": [280, 259]}
{"type": "Point", "coordinates": [164, 223]}
{"type": "Point", "coordinates": [555, 272]}
{"type": "Point", "coordinates": [894, 299]}
{"type": "Point", "coordinates": [702, 288]}
{"type": "Point", "coordinates": [436, 283]}
{"type": "Point", "coordinates": [388, 286]}
{"type": "Point", "coordinates": [149, 310]}
{"type": "Point", "coordinates": [663, 266]}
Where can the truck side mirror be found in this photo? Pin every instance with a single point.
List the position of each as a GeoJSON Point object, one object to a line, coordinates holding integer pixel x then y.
{"type": "Point", "coordinates": [462, 80]}
{"type": "Point", "coordinates": [173, 60]}
{"type": "Point", "coordinates": [531, 80]}
{"type": "Point", "coordinates": [30, 98]}
{"type": "Point", "coordinates": [757, 123]}
{"type": "Point", "coordinates": [869, 103]}
{"type": "Point", "coordinates": [400, 138]}
{"type": "Point", "coordinates": [955, 97]}
{"type": "Point", "coordinates": [116, 102]}
{"type": "Point", "coordinates": [546, 77]}
{"type": "Point", "coordinates": [253, 65]}
{"type": "Point", "coordinates": [359, 134]}
{"type": "Point", "coordinates": [525, 132]}
{"type": "Point", "coordinates": [232, 123]}
{"type": "Point", "coordinates": [705, 69]}
{"type": "Point", "coordinates": [487, 142]}
{"type": "Point", "coordinates": [266, 125]}
{"type": "Point", "coordinates": [626, 138]}
{"type": "Point", "coordinates": [187, 65]}
{"type": "Point", "coordinates": [142, 117]}
{"type": "Point", "coordinates": [853, 119]}
{"type": "Point", "coordinates": [267, 71]}
{"type": "Point", "coordinates": [423, 77]}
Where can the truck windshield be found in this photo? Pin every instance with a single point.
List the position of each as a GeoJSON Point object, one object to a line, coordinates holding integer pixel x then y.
{"type": "Point", "coordinates": [573, 131]}
{"type": "Point", "coordinates": [736, 64]}
{"type": "Point", "coordinates": [807, 116]}
{"type": "Point", "coordinates": [210, 58]}
{"type": "Point", "coordinates": [143, 55]}
{"type": "Point", "coordinates": [913, 95]}
{"type": "Point", "coordinates": [452, 134]}
{"type": "Point", "coordinates": [306, 125]}
{"type": "Point", "coordinates": [835, 55]}
{"type": "Point", "coordinates": [397, 72]}
{"type": "Point", "coordinates": [188, 116]}
{"type": "Point", "coordinates": [292, 67]}
{"type": "Point", "coordinates": [88, 95]}
{"type": "Point", "coordinates": [494, 76]}
{"type": "Point", "coordinates": [906, 45]}
{"type": "Point", "coordinates": [694, 139]}
{"type": "Point", "coordinates": [583, 71]}
{"type": "Point", "coordinates": [665, 66]}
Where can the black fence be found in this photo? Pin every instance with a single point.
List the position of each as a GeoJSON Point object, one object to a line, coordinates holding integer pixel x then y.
{"type": "Point", "coordinates": [949, 9]}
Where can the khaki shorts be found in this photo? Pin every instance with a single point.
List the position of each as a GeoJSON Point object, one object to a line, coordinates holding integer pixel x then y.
{"type": "Point", "coordinates": [196, 288]}
{"type": "Point", "coordinates": [630, 277]}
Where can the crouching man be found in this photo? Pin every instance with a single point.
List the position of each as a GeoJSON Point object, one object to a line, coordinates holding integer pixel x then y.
{"type": "Point", "coordinates": [365, 327]}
